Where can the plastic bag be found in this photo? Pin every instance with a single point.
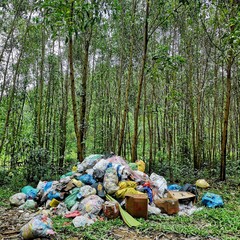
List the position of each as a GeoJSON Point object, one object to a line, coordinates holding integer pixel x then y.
{"type": "Point", "coordinates": [18, 199]}
{"type": "Point", "coordinates": [68, 174]}
{"type": "Point", "coordinates": [41, 185]}
{"type": "Point", "coordinates": [202, 183]}
{"type": "Point", "coordinates": [101, 165]}
{"type": "Point", "coordinates": [99, 189]}
{"type": "Point", "coordinates": [91, 205]}
{"type": "Point", "coordinates": [122, 192]}
{"type": "Point", "coordinates": [87, 179]}
{"type": "Point", "coordinates": [110, 182]}
{"type": "Point", "coordinates": [212, 200]}
{"type": "Point", "coordinates": [29, 204]}
{"type": "Point", "coordinates": [174, 187]}
{"type": "Point", "coordinates": [140, 176]}
{"type": "Point", "coordinates": [39, 227]}
{"type": "Point", "coordinates": [141, 165]}
{"type": "Point", "coordinates": [98, 175]}
{"type": "Point", "coordinates": [125, 184]}
{"type": "Point", "coordinates": [133, 166]}
{"type": "Point", "coordinates": [72, 184]}
{"type": "Point", "coordinates": [82, 221]}
{"type": "Point", "coordinates": [159, 182]}
{"type": "Point", "coordinates": [61, 209]}
{"type": "Point", "coordinates": [30, 192]}
{"type": "Point", "coordinates": [153, 210]}
{"type": "Point", "coordinates": [72, 198]}
{"type": "Point", "coordinates": [148, 190]}
{"type": "Point", "coordinates": [90, 161]}
{"type": "Point", "coordinates": [190, 188]}
{"type": "Point", "coordinates": [86, 191]}
{"type": "Point", "coordinates": [54, 194]}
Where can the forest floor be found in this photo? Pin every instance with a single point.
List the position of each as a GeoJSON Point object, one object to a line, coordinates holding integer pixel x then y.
{"type": "Point", "coordinates": [207, 224]}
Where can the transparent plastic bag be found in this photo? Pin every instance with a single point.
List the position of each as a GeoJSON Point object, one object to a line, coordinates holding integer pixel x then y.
{"type": "Point", "coordinates": [82, 221]}
{"type": "Point", "coordinates": [39, 227]}
{"type": "Point", "coordinates": [110, 182]}
{"type": "Point", "coordinates": [18, 199]}
{"type": "Point", "coordinates": [87, 190]}
{"type": "Point", "coordinates": [90, 161]}
{"type": "Point", "coordinates": [29, 204]}
{"type": "Point", "coordinates": [91, 205]}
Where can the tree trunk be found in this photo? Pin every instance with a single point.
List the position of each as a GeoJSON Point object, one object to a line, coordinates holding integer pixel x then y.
{"type": "Point", "coordinates": [137, 106]}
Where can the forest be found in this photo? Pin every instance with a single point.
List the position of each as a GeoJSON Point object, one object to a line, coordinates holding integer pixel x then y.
{"type": "Point", "coordinates": [152, 80]}
{"type": "Point", "coordinates": [130, 81]}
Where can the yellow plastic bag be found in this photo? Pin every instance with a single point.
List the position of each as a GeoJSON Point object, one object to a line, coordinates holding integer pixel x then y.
{"type": "Point", "coordinates": [141, 165]}
{"type": "Point", "coordinates": [202, 183]}
{"type": "Point", "coordinates": [122, 192]}
{"type": "Point", "coordinates": [74, 168]}
{"type": "Point", "coordinates": [125, 184]}
{"type": "Point", "coordinates": [54, 203]}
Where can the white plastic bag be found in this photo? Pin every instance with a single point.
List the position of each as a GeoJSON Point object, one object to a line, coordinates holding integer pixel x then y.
{"type": "Point", "coordinates": [18, 199]}
{"type": "Point", "coordinates": [82, 221]}
{"type": "Point", "coordinates": [158, 182]}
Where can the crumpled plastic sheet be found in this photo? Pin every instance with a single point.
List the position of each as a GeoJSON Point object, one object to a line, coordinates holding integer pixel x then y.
{"type": "Point", "coordinates": [189, 209]}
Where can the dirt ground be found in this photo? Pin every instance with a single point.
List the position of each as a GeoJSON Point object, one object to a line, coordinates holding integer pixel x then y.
{"type": "Point", "coordinates": [11, 220]}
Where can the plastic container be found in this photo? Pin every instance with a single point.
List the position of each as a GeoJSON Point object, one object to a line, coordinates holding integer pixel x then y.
{"type": "Point", "coordinates": [137, 205]}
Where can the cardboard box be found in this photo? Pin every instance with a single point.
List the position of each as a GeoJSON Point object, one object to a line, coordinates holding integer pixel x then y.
{"type": "Point", "coordinates": [167, 205]}
{"type": "Point", "coordinates": [182, 197]}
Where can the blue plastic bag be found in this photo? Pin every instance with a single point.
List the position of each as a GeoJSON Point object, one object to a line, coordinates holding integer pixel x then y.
{"type": "Point", "coordinates": [30, 192]}
{"type": "Point", "coordinates": [54, 194]}
{"type": "Point", "coordinates": [212, 200]}
{"type": "Point", "coordinates": [149, 193]}
{"type": "Point", "coordinates": [47, 186]}
{"type": "Point", "coordinates": [174, 187]}
{"type": "Point", "coordinates": [87, 179]}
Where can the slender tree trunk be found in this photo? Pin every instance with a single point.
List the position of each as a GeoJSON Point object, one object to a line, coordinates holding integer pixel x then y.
{"type": "Point", "coordinates": [137, 106]}
{"type": "Point", "coordinates": [40, 93]}
{"type": "Point", "coordinates": [73, 90]}
{"type": "Point", "coordinates": [230, 60]}
{"type": "Point", "coordinates": [83, 126]}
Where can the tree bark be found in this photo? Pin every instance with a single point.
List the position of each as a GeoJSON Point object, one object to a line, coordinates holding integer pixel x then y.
{"type": "Point", "coordinates": [137, 106]}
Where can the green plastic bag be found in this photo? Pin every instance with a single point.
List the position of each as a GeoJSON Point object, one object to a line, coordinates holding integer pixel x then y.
{"type": "Point", "coordinates": [72, 198]}
{"type": "Point", "coordinates": [68, 174]}
{"type": "Point", "coordinates": [133, 166]}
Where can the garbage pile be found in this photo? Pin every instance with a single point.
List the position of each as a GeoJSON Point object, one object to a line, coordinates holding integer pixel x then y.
{"type": "Point", "coordinates": [91, 189]}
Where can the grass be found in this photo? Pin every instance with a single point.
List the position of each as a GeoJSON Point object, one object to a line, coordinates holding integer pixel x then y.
{"type": "Point", "coordinates": [222, 223]}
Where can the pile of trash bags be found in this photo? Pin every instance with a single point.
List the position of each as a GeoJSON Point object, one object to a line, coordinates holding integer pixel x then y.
{"type": "Point", "coordinates": [81, 193]}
